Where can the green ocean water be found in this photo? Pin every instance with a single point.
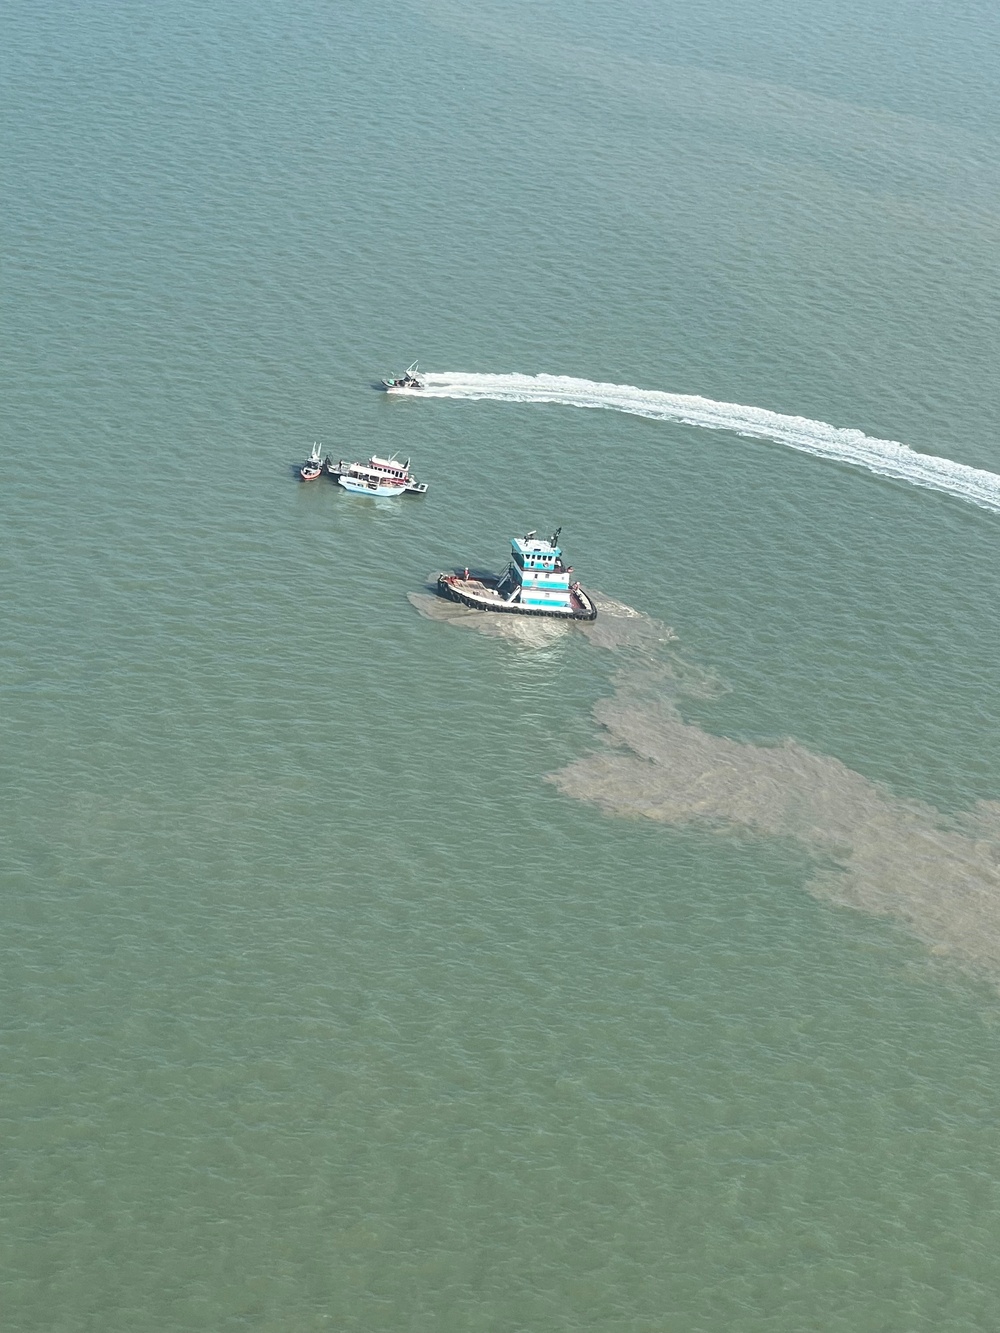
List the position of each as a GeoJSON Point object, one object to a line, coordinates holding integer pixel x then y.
{"type": "Point", "coordinates": [322, 1006]}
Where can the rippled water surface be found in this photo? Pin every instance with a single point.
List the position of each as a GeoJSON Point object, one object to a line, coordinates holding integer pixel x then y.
{"type": "Point", "coordinates": [362, 972]}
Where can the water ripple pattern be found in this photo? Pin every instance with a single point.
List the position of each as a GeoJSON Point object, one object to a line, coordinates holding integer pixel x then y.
{"type": "Point", "coordinates": [886, 458]}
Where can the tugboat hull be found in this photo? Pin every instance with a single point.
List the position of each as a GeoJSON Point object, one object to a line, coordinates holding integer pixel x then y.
{"type": "Point", "coordinates": [480, 594]}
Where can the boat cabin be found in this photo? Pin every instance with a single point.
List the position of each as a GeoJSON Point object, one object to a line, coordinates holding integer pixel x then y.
{"type": "Point", "coordinates": [389, 467]}
{"type": "Point", "coordinates": [537, 570]}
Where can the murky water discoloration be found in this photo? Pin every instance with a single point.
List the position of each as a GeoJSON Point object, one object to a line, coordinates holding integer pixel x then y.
{"type": "Point", "coordinates": [616, 626]}
{"type": "Point", "coordinates": [905, 859]}
{"type": "Point", "coordinates": [524, 630]}
{"type": "Point", "coordinates": [940, 875]}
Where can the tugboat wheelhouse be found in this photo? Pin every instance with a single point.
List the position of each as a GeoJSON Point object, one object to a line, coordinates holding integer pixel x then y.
{"type": "Point", "coordinates": [537, 569]}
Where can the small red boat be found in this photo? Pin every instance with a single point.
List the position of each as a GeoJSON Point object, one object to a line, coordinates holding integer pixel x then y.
{"type": "Point", "coordinates": [312, 468]}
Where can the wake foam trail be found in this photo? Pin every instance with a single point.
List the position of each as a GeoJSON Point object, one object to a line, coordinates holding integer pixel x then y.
{"type": "Point", "coordinates": [886, 458]}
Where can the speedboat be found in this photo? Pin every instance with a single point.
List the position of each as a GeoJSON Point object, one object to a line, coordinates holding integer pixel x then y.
{"type": "Point", "coordinates": [405, 382]}
{"type": "Point", "coordinates": [379, 476]}
{"type": "Point", "coordinates": [535, 583]}
{"type": "Point", "coordinates": [312, 468]}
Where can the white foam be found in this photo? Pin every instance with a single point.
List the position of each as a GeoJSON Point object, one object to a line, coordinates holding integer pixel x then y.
{"type": "Point", "coordinates": [886, 458]}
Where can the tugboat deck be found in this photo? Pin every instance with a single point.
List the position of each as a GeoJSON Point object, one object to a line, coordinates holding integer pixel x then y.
{"type": "Point", "coordinates": [476, 588]}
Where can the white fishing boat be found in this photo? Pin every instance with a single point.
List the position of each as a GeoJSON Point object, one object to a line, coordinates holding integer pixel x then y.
{"type": "Point", "coordinates": [405, 383]}
{"type": "Point", "coordinates": [535, 583]}
{"type": "Point", "coordinates": [384, 477]}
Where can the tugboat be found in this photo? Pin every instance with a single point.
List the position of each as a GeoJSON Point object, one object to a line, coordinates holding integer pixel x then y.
{"type": "Point", "coordinates": [379, 476]}
{"type": "Point", "coordinates": [535, 583]}
{"type": "Point", "coordinates": [408, 380]}
{"type": "Point", "coordinates": [312, 468]}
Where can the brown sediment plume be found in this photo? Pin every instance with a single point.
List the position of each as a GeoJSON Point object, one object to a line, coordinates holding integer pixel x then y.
{"type": "Point", "coordinates": [616, 626]}
{"type": "Point", "coordinates": [938, 875]}
{"type": "Point", "coordinates": [623, 627]}
{"type": "Point", "coordinates": [525, 631]}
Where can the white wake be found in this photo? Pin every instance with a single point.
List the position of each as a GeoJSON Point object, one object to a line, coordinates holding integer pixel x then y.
{"type": "Point", "coordinates": [887, 458]}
